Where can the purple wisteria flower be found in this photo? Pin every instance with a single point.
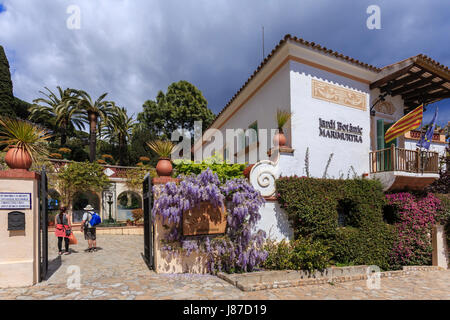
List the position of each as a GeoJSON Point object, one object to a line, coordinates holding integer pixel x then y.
{"type": "Point", "coordinates": [239, 249]}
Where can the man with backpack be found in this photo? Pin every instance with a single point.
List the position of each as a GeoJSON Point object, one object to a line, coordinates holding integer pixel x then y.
{"type": "Point", "coordinates": [88, 226]}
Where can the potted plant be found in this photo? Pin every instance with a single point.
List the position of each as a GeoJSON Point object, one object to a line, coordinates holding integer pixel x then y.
{"type": "Point", "coordinates": [144, 160]}
{"type": "Point", "coordinates": [282, 118]}
{"type": "Point", "coordinates": [25, 140]}
{"type": "Point", "coordinates": [55, 155]}
{"type": "Point", "coordinates": [65, 152]}
{"type": "Point", "coordinates": [163, 149]}
{"type": "Point", "coordinates": [138, 215]}
{"type": "Point", "coordinates": [108, 158]}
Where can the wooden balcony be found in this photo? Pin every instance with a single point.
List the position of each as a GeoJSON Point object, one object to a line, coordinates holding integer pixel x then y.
{"type": "Point", "coordinates": [398, 159]}
{"type": "Point", "coordinates": [400, 169]}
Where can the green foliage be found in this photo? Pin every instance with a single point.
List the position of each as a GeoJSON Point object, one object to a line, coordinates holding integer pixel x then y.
{"type": "Point", "coordinates": [301, 254]}
{"type": "Point", "coordinates": [24, 135]}
{"type": "Point", "coordinates": [354, 246]}
{"type": "Point", "coordinates": [163, 148]}
{"type": "Point", "coordinates": [225, 171]}
{"type": "Point", "coordinates": [135, 176]}
{"type": "Point", "coordinates": [6, 87]}
{"type": "Point", "coordinates": [178, 108]}
{"type": "Point", "coordinates": [21, 108]}
{"type": "Point", "coordinates": [9, 105]}
{"type": "Point", "coordinates": [313, 207]}
{"type": "Point", "coordinates": [282, 118]}
{"type": "Point", "coordinates": [81, 177]}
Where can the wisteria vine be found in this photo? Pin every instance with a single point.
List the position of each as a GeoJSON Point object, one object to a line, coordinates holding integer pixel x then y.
{"type": "Point", "coordinates": [242, 246]}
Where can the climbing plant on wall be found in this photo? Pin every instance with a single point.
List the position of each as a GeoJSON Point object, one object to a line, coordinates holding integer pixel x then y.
{"type": "Point", "coordinates": [239, 249]}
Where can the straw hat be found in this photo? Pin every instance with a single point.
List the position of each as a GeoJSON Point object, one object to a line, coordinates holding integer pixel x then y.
{"type": "Point", "coordinates": [88, 208]}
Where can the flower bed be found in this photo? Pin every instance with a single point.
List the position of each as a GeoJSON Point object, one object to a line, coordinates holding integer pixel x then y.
{"type": "Point", "coordinates": [415, 217]}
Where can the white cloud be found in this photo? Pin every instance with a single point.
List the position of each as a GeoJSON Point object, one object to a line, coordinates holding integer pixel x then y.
{"type": "Point", "coordinates": [133, 48]}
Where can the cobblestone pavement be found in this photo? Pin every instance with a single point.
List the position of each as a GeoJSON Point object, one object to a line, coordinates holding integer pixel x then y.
{"type": "Point", "coordinates": [117, 271]}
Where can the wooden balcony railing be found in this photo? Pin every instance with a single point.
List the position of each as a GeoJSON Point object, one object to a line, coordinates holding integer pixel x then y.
{"type": "Point", "coordinates": [398, 159]}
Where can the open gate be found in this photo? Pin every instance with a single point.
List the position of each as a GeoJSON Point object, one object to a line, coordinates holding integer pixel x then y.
{"type": "Point", "coordinates": [148, 221]}
{"type": "Point", "coordinates": [43, 226]}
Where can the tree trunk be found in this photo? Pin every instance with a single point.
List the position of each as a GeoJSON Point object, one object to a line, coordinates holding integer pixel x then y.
{"type": "Point", "coordinates": [93, 118]}
{"type": "Point", "coordinates": [121, 151]}
{"type": "Point", "coordinates": [63, 134]}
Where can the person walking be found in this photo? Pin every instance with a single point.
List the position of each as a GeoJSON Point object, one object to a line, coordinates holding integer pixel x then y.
{"type": "Point", "coordinates": [63, 229]}
{"type": "Point", "coordinates": [88, 229]}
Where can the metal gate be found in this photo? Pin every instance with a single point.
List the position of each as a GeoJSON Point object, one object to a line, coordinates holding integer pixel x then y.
{"type": "Point", "coordinates": [148, 221]}
{"type": "Point", "coordinates": [43, 226]}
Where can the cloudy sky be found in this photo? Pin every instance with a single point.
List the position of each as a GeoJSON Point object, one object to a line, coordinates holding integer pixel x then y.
{"type": "Point", "coordinates": [134, 48]}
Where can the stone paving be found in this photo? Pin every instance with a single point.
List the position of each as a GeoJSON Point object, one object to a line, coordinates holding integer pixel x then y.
{"type": "Point", "coordinates": [117, 271]}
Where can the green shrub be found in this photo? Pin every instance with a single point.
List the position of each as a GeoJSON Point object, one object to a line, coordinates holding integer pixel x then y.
{"type": "Point", "coordinates": [353, 246]}
{"type": "Point", "coordinates": [225, 171]}
{"type": "Point", "coordinates": [301, 254]}
{"type": "Point", "coordinates": [313, 207]}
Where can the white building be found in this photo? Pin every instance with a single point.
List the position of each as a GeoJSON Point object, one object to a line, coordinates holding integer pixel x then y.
{"type": "Point", "coordinates": [335, 114]}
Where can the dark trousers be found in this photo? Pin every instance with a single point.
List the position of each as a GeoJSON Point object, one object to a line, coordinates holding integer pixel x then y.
{"type": "Point", "coordinates": [66, 242]}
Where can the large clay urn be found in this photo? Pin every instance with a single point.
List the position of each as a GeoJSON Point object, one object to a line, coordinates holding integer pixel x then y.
{"type": "Point", "coordinates": [279, 139]}
{"type": "Point", "coordinates": [18, 158]}
{"type": "Point", "coordinates": [164, 167]}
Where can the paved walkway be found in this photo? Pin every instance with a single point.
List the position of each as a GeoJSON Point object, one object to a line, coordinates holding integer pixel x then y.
{"type": "Point", "coordinates": [117, 271]}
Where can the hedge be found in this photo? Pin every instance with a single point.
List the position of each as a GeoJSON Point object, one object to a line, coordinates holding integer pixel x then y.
{"type": "Point", "coordinates": [313, 204]}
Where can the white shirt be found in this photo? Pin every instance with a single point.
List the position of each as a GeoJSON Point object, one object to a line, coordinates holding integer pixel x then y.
{"type": "Point", "coordinates": [87, 217]}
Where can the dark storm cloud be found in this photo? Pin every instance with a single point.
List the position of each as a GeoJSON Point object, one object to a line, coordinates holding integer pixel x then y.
{"type": "Point", "coordinates": [132, 49]}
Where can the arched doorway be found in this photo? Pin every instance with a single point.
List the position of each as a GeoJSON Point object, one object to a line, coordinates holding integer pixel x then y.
{"type": "Point", "coordinates": [80, 201]}
{"type": "Point", "coordinates": [127, 202]}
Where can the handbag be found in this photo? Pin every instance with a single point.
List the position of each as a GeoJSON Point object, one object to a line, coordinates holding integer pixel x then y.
{"type": "Point", "coordinates": [72, 239]}
{"type": "Point", "coordinates": [68, 232]}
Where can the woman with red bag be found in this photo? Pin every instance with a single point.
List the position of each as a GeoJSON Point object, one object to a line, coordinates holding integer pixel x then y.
{"type": "Point", "coordinates": [63, 229]}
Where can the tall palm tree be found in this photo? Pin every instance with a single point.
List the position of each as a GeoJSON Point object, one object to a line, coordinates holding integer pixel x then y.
{"type": "Point", "coordinates": [96, 112]}
{"type": "Point", "coordinates": [58, 111]}
{"type": "Point", "coordinates": [119, 129]}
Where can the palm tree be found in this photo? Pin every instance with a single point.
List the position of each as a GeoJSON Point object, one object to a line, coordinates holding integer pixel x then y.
{"type": "Point", "coordinates": [58, 111]}
{"type": "Point", "coordinates": [96, 112]}
{"type": "Point", "coordinates": [119, 129]}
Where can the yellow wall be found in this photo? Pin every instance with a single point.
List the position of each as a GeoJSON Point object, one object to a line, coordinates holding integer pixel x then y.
{"type": "Point", "coordinates": [19, 249]}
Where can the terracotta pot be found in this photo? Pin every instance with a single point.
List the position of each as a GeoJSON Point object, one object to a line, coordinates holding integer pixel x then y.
{"type": "Point", "coordinates": [18, 158]}
{"type": "Point", "coordinates": [247, 170]}
{"type": "Point", "coordinates": [164, 167]}
{"type": "Point", "coordinates": [279, 139]}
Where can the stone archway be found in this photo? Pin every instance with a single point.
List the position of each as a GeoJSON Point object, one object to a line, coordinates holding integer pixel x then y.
{"type": "Point", "coordinates": [81, 200]}
{"type": "Point", "coordinates": [128, 201]}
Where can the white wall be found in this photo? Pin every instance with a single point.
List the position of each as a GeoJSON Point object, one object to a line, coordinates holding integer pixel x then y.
{"type": "Point", "coordinates": [274, 222]}
{"type": "Point", "coordinates": [305, 126]}
{"type": "Point", "coordinates": [262, 107]}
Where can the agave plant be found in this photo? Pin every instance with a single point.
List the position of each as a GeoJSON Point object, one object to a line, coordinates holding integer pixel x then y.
{"type": "Point", "coordinates": [282, 118]}
{"type": "Point", "coordinates": [24, 135]}
{"type": "Point", "coordinates": [162, 148]}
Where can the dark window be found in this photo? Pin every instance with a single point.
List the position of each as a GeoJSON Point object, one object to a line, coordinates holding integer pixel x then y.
{"type": "Point", "coordinates": [344, 209]}
{"type": "Point", "coordinates": [341, 218]}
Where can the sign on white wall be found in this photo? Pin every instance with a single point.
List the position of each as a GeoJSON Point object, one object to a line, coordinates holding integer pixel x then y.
{"type": "Point", "coordinates": [15, 201]}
